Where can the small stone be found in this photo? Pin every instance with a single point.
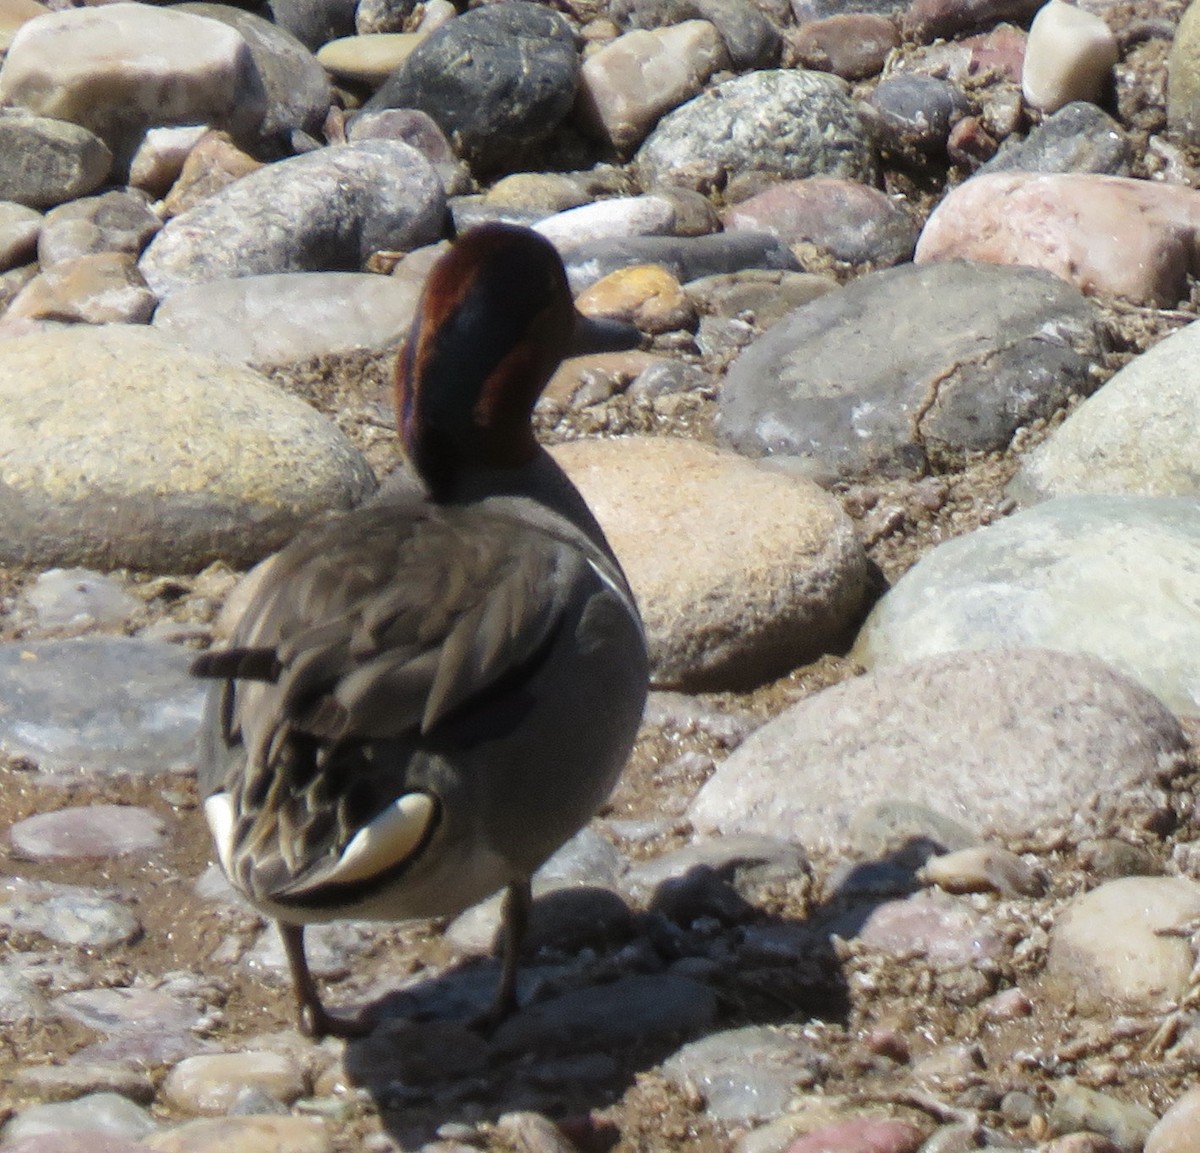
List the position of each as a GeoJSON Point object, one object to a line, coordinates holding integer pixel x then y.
{"type": "Point", "coordinates": [246, 1135]}
{"type": "Point", "coordinates": [533, 1133]}
{"type": "Point", "coordinates": [107, 1114]}
{"type": "Point", "coordinates": [1125, 1124]}
{"type": "Point", "coordinates": [852, 45]}
{"type": "Point", "coordinates": [1178, 1130]}
{"type": "Point", "coordinates": [645, 295]}
{"type": "Point", "coordinates": [79, 597]}
{"type": "Point", "coordinates": [981, 869]}
{"type": "Point", "coordinates": [862, 1135]}
{"type": "Point", "coordinates": [160, 157]}
{"type": "Point", "coordinates": [100, 288]}
{"type": "Point", "coordinates": [88, 831]}
{"type": "Point", "coordinates": [211, 1084]}
{"type": "Point", "coordinates": [369, 59]}
{"type": "Point", "coordinates": [49, 161]}
{"type": "Point", "coordinates": [20, 228]}
{"type": "Point", "coordinates": [1070, 55]}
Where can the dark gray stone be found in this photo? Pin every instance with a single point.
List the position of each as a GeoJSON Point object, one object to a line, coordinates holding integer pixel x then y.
{"type": "Point", "coordinates": [945, 359]}
{"type": "Point", "coordinates": [776, 124]}
{"type": "Point", "coordinates": [1077, 138]}
{"type": "Point", "coordinates": [115, 221]}
{"type": "Point", "coordinates": [48, 162]}
{"type": "Point", "coordinates": [297, 87]}
{"type": "Point", "coordinates": [315, 22]}
{"type": "Point", "coordinates": [751, 40]}
{"type": "Point", "coordinates": [497, 79]}
{"type": "Point", "coordinates": [917, 112]}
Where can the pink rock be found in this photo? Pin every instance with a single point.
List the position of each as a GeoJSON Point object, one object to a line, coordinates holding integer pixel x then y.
{"type": "Point", "coordinates": [1178, 1131]}
{"type": "Point", "coordinates": [88, 831]}
{"type": "Point", "coordinates": [850, 221]}
{"type": "Point", "coordinates": [945, 930]}
{"type": "Point", "coordinates": [852, 45]}
{"type": "Point", "coordinates": [861, 1135]}
{"type": "Point", "coordinates": [1108, 235]}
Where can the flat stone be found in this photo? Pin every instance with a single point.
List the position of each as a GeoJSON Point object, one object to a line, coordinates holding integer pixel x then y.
{"type": "Point", "coordinates": [1137, 436]}
{"type": "Point", "coordinates": [66, 914]}
{"type": "Point", "coordinates": [195, 459]}
{"type": "Point", "coordinates": [211, 1083]}
{"type": "Point", "coordinates": [290, 316]}
{"type": "Point", "coordinates": [324, 211]}
{"type": "Point", "coordinates": [1112, 576]}
{"type": "Point", "coordinates": [1001, 742]}
{"type": "Point", "coordinates": [89, 66]}
{"type": "Point", "coordinates": [863, 1135]}
{"type": "Point", "coordinates": [88, 831]}
{"type": "Point", "coordinates": [618, 216]}
{"type": "Point", "coordinates": [726, 603]}
{"type": "Point", "coordinates": [780, 124]}
{"type": "Point", "coordinates": [1114, 945]}
{"type": "Point", "coordinates": [369, 59]}
{"type": "Point", "coordinates": [67, 1082]}
{"type": "Point", "coordinates": [947, 359]}
{"type": "Point", "coordinates": [79, 598]}
{"type": "Point", "coordinates": [102, 1114]}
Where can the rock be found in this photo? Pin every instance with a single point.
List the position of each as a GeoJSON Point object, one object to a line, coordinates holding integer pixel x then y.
{"type": "Point", "coordinates": [297, 90]}
{"type": "Point", "coordinates": [1177, 1130]}
{"type": "Point", "coordinates": [1108, 235]}
{"type": "Point", "coordinates": [245, 1134]}
{"type": "Point", "coordinates": [947, 359]}
{"type": "Point", "coordinates": [111, 222]}
{"type": "Point", "coordinates": [98, 1114]}
{"type": "Point", "coordinates": [917, 112]}
{"type": "Point", "coordinates": [748, 589]}
{"type": "Point", "coordinates": [105, 704]}
{"type": "Point", "coordinates": [195, 459]}
{"type": "Point", "coordinates": [618, 217]}
{"type": "Point", "coordinates": [314, 22]}
{"type": "Point", "coordinates": [684, 257]}
{"type": "Point", "coordinates": [1076, 1107]}
{"type": "Point", "coordinates": [645, 295]}
{"type": "Point", "coordinates": [66, 915]}
{"type": "Point", "coordinates": [957, 735]}
{"type": "Point", "coordinates": [1070, 55]}
{"type": "Point", "coordinates": [1183, 77]}
{"type": "Point", "coordinates": [773, 125]}
{"type": "Point", "coordinates": [852, 45]}
{"type": "Point", "coordinates": [498, 80]}
{"type": "Point", "coordinates": [210, 1084]}
{"type": "Point", "coordinates": [849, 222]}
{"type": "Point", "coordinates": [1136, 436]}
{"type": "Point", "coordinates": [1082, 574]}
{"type": "Point", "coordinates": [100, 288]}
{"type": "Point", "coordinates": [289, 316]}
{"type": "Point", "coordinates": [50, 161]}
{"type": "Point", "coordinates": [1079, 137]}
{"type": "Point", "coordinates": [20, 228]}
{"type": "Point", "coordinates": [629, 83]}
{"type": "Point", "coordinates": [745, 1074]}
{"type": "Point", "coordinates": [370, 59]}
{"type": "Point", "coordinates": [88, 831]}
{"type": "Point", "coordinates": [213, 163]}
{"type": "Point", "coordinates": [70, 1081]}
{"type": "Point", "coordinates": [15, 13]}
{"type": "Point", "coordinates": [1115, 945]}
{"type": "Point", "coordinates": [766, 296]}
{"type": "Point", "coordinates": [983, 869]}
{"type": "Point", "coordinates": [750, 36]}
{"type": "Point", "coordinates": [927, 20]}
{"type": "Point", "coordinates": [325, 211]}
{"type": "Point", "coordinates": [79, 598]}
{"type": "Point", "coordinates": [945, 930]}
{"type": "Point", "coordinates": [89, 66]}
{"type": "Point", "coordinates": [863, 1135]}
{"type": "Point", "coordinates": [160, 157]}
{"type": "Point", "coordinates": [382, 16]}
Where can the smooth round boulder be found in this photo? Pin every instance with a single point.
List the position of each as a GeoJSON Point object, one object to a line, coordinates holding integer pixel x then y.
{"type": "Point", "coordinates": [170, 461]}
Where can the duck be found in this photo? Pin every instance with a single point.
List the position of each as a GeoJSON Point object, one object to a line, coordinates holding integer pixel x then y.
{"type": "Point", "coordinates": [427, 696]}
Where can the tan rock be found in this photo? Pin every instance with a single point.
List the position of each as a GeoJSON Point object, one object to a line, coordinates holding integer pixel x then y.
{"type": "Point", "coordinates": [369, 59]}
{"type": "Point", "coordinates": [98, 288]}
{"type": "Point", "coordinates": [211, 165]}
{"type": "Point", "coordinates": [210, 1083]}
{"type": "Point", "coordinates": [245, 1134]}
{"type": "Point", "coordinates": [645, 294]}
{"type": "Point", "coordinates": [14, 13]}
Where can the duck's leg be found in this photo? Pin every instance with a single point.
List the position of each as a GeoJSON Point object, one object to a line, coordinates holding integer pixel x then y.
{"type": "Point", "coordinates": [518, 900]}
{"type": "Point", "coordinates": [311, 1017]}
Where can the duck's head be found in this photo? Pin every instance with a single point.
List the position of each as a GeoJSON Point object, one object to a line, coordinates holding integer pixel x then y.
{"type": "Point", "coordinates": [494, 321]}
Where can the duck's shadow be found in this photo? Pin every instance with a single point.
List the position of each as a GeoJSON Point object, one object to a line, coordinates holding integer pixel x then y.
{"type": "Point", "coordinates": [700, 959]}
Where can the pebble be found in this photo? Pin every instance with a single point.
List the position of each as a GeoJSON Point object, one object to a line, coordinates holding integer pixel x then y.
{"type": "Point", "coordinates": [112, 222]}
{"type": "Point", "coordinates": [852, 45]}
{"type": "Point", "coordinates": [862, 1135]}
{"type": "Point", "coordinates": [1079, 137]}
{"type": "Point", "coordinates": [646, 295]}
{"type": "Point", "coordinates": [78, 598]}
{"type": "Point", "coordinates": [1108, 235]}
{"type": "Point", "coordinates": [245, 1134]}
{"type": "Point", "coordinates": [1178, 1130]}
{"type": "Point", "coordinates": [71, 1081]}
{"type": "Point", "coordinates": [945, 930]}
{"type": "Point", "coordinates": [1070, 55]}
{"type": "Point", "coordinates": [627, 85]}
{"type": "Point", "coordinates": [712, 621]}
{"type": "Point", "coordinates": [108, 1114]}
{"type": "Point", "coordinates": [66, 914]}
{"type": "Point", "coordinates": [883, 404]}
{"type": "Point", "coordinates": [87, 66]}
{"type": "Point", "coordinates": [1125, 1123]}
{"type": "Point", "coordinates": [928, 20]}
{"type": "Point", "coordinates": [848, 221]}
{"type": "Point", "coordinates": [160, 157]}
{"type": "Point", "coordinates": [1152, 967]}
{"type": "Point", "coordinates": [100, 288]}
{"type": "Point", "coordinates": [1097, 574]}
{"type": "Point", "coordinates": [211, 1084]}
{"type": "Point", "coordinates": [956, 734]}
{"type": "Point", "coordinates": [497, 79]}
{"type": "Point", "coordinates": [1136, 436]}
{"type": "Point", "coordinates": [983, 869]}
{"type": "Point", "coordinates": [327, 210]}
{"type": "Point", "coordinates": [917, 112]}
{"type": "Point", "coordinates": [88, 831]}
{"type": "Point", "coordinates": [618, 217]}
{"type": "Point", "coordinates": [123, 490]}
{"type": "Point", "coordinates": [1183, 78]}
{"type": "Point", "coordinates": [289, 316]}
{"type": "Point", "coordinates": [746, 1074]}
{"type": "Point", "coordinates": [369, 59]}
{"type": "Point", "coordinates": [51, 161]}
{"type": "Point", "coordinates": [214, 162]}
{"type": "Point", "coordinates": [803, 124]}
{"type": "Point", "coordinates": [20, 228]}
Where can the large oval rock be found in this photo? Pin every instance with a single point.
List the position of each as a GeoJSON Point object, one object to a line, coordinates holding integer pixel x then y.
{"type": "Point", "coordinates": [1114, 576]}
{"type": "Point", "coordinates": [95, 67]}
{"type": "Point", "coordinates": [781, 124]}
{"type": "Point", "coordinates": [944, 360]}
{"type": "Point", "coordinates": [741, 573]}
{"type": "Point", "coordinates": [497, 79]}
{"type": "Point", "coordinates": [49, 162]}
{"type": "Point", "coordinates": [997, 742]}
{"type": "Point", "coordinates": [169, 461]}
{"type": "Point", "coordinates": [325, 211]}
{"type": "Point", "coordinates": [1137, 435]}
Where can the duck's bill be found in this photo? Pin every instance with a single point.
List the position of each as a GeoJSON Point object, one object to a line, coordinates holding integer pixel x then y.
{"type": "Point", "coordinates": [597, 334]}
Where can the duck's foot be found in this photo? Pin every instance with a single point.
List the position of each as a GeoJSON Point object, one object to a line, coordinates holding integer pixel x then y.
{"type": "Point", "coordinates": [518, 901]}
{"type": "Point", "coordinates": [312, 1018]}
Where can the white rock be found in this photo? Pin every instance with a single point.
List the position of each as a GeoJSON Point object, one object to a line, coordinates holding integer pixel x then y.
{"type": "Point", "coordinates": [210, 1083]}
{"type": "Point", "coordinates": [1070, 55]}
{"type": "Point", "coordinates": [620, 216]}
